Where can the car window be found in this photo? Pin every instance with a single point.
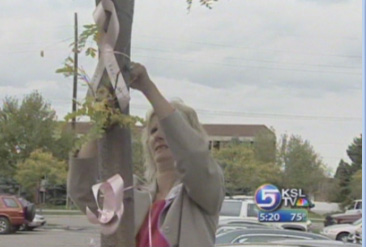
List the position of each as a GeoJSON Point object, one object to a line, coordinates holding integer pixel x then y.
{"type": "Point", "coordinates": [358, 205]}
{"type": "Point", "coordinates": [230, 208]}
{"type": "Point", "coordinates": [10, 203]}
{"type": "Point", "coordinates": [23, 202]}
{"type": "Point", "coordinates": [252, 210]}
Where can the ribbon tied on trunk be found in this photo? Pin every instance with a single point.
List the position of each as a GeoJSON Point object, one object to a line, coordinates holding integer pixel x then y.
{"type": "Point", "coordinates": [105, 16]}
{"type": "Point", "coordinates": [109, 216]}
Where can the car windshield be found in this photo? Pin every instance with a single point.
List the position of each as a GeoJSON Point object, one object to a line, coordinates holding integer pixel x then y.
{"type": "Point", "coordinates": [357, 222]}
{"type": "Point", "coordinates": [252, 210]}
{"type": "Point", "coordinates": [10, 203]}
{"type": "Point", "coordinates": [230, 208]}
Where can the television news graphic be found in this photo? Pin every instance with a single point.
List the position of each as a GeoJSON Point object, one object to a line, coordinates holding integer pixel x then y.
{"type": "Point", "coordinates": [269, 199]}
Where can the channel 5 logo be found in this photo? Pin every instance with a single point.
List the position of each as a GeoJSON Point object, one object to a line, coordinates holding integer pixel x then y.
{"type": "Point", "coordinates": [269, 198]}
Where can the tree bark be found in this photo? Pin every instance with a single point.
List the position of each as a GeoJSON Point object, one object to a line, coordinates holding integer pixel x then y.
{"type": "Point", "coordinates": [114, 149]}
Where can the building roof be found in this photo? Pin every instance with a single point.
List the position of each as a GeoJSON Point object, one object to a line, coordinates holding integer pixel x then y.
{"type": "Point", "coordinates": [244, 130]}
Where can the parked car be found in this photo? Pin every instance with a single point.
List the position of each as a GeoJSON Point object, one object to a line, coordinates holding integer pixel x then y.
{"type": "Point", "coordinates": [11, 214]}
{"type": "Point", "coordinates": [355, 207]}
{"type": "Point", "coordinates": [356, 237]}
{"type": "Point", "coordinates": [231, 227]}
{"type": "Point", "coordinates": [315, 243]}
{"type": "Point", "coordinates": [37, 220]}
{"type": "Point", "coordinates": [240, 221]}
{"type": "Point", "coordinates": [341, 231]}
{"type": "Point", "coordinates": [247, 209]}
{"type": "Point", "coordinates": [263, 235]}
{"type": "Point", "coordinates": [267, 245]}
{"type": "Point", "coordinates": [293, 243]}
{"type": "Point", "coordinates": [342, 218]}
{"type": "Point", "coordinates": [284, 244]}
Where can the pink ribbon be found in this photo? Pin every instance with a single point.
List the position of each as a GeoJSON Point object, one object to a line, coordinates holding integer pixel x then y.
{"type": "Point", "coordinates": [107, 59]}
{"type": "Point", "coordinates": [109, 216]}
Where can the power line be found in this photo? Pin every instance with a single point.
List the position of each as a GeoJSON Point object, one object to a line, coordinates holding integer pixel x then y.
{"type": "Point", "coordinates": [265, 115]}
{"type": "Point", "coordinates": [255, 114]}
{"type": "Point", "coordinates": [302, 64]}
{"type": "Point", "coordinates": [27, 51]}
{"type": "Point", "coordinates": [258, 60]}
{"type": "Point", "coordinates": [239, 66]}
{"type": "Point", "coordinates": [38, 50]}
{"type": "Point", "coordinates": [41, 43]}
{"type": "Point", "coordinates": [278, 116]}
{"type": "Point", "coordinates": [256, 48]}
{"type": "Point", "coordinates": [253, 67]}
{"type": "Point", "coordinates": [34, 29]}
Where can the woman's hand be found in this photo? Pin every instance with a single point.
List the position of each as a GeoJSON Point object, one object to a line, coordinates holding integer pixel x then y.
{"type": "Point", "coordinates": [140, 79]}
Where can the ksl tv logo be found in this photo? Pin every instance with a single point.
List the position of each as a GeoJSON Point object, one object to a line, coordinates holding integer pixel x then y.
{"type": "Point", "coordinates": [269, 198]}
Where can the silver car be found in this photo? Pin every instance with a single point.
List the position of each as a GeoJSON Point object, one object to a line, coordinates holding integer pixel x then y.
{"type": "Point", "coordinates": [341, 231]}
{"type": "Point", "coordinates": [264, 235]}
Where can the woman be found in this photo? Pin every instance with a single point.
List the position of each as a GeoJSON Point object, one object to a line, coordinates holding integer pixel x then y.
{"type": "Point", "coordinates": [187, 185]}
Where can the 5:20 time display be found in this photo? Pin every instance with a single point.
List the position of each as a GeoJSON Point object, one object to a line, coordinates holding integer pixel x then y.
{"type": "Point", "coordinates": [269, 217]}
{"type": "Point", "coordinates": [290, 215]}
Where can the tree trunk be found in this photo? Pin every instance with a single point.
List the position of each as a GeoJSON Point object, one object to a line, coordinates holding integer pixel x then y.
{"type": "Point", "coordinates": [114, 148]}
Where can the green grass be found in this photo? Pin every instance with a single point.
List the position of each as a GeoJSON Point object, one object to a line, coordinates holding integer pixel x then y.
{"type": "Point", "coordinates": [62, 213]}
{"type": "Point", "coordinates": [58, 210]}
{"type": "Point", "coordinates": [312, 215]}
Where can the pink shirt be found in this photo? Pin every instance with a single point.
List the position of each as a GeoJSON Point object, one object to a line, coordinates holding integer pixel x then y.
{"type": "Point", "coordinates": [158, 239]}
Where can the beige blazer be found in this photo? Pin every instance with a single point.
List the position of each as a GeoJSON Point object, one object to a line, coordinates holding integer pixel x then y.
{"type": "Point", "coordinates": [194, 203]}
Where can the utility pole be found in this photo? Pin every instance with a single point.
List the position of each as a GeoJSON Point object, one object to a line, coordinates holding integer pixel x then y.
{"type": "Point", "coordinates": [114, 149]}
{"type": "Point", "coordinates": [75, 88]}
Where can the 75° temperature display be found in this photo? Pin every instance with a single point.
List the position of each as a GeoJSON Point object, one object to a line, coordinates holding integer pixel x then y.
{"type": "Point", "coordinates": [283, 215]}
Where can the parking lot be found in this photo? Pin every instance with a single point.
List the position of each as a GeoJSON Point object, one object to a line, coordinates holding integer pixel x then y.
{"type": "Point", "coordinates": [65, 231]}
{"type": "Point", "coordinates": [60, 231]}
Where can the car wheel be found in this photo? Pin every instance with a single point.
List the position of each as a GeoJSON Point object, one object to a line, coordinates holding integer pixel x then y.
{"type": "Point", "coordinates": [342, 236]}
{"type": "Point", "coordinates": [4, 225]}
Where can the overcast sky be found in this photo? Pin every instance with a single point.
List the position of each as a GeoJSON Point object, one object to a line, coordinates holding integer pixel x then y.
{"type": "Point", "coordinates": [294, 65]}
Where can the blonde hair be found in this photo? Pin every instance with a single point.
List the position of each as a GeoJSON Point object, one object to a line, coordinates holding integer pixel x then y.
{"type": "Point", "coordinates": [189, 114]}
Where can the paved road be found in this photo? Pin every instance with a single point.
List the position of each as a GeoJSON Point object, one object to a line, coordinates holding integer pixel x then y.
{"type": "Point", "coordinates": [60, 231]}
{"type": "Point", "coordinates": [63, 231]}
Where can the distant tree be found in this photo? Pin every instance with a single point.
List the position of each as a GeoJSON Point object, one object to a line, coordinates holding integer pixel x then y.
{"type": "Point", "coordinates": [330, 190]}
{"type": "Point", "coordinates": [40, 164]}
{"type": "Point", "coordinates": [242, 171]}
{"type": "Point", "coordinates": [26, 127]}
{"type": "Point", "coordinates": [302, 167]}
{"type": "Point", "coordinates": [265, 146]}
{"type": "Point", "coordinates": [354, 152]}
{"type": "Point", "coordinates": [347, 172]}
{"type": "Point", "coordinates": [343, 177]}
{"type": "Point", "coordinates": [356, 185]}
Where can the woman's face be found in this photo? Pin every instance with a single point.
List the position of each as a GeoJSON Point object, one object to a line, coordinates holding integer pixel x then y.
{"type": "Point", "coordinates": [157, 143]}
